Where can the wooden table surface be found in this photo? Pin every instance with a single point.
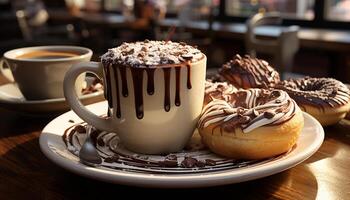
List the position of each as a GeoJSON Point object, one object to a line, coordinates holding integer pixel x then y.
{"type": "Point", "coordinates": [26, 173]}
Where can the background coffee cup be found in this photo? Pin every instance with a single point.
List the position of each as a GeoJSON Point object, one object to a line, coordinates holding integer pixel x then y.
{"type": "Point", "coordinates": [40, 76]}
{"type": "Point", "coordinates": [164, 125]}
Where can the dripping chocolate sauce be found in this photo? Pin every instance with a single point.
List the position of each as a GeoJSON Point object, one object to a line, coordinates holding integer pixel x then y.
{"type": "Point", "coordinates": [137, 76]}
{"type": "Point", "coordinates": [177, 95]}
{"type": "Point", "coordinates": [108, 93]}
{"type": "Point", "coordinates": [167, 89]}
{"type": "Point", "coordinates": [124, 80]}
{"type": "Point", "coordinates": [118, 112]}
{"type": "Point", "coordinates": [189, 84]}
{"type": "Point", "coordinates": [150, 81]}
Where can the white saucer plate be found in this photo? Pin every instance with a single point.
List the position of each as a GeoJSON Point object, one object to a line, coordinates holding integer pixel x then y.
{"type": "Point", "coordinates": [11, 98]}
{"type": "Point", "coordinates": [55, 147]}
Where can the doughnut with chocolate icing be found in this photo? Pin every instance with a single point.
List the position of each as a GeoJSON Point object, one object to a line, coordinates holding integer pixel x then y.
{"type": "Point", "coordinates": [218, 90]}
{"type": "Point", "coordinates": [327, 99]}
{"type": "Point", "coordinates": [249, 72]}
{"type": "Point", "coordinates": [253, 124]}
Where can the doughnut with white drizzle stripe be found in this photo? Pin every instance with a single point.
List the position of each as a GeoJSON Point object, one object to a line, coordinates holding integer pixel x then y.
{"type": "Point", "coordinates": [249, 120]}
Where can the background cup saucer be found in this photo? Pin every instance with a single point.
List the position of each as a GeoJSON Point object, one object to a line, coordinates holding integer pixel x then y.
{"type": "Point", "coordinates": [12, 99]}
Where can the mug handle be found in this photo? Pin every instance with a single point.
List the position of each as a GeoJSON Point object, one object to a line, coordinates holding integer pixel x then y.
{"type": "Point", "coordinates": [6, 73]}
{"type": "Point", "coordinates": [73, 100]}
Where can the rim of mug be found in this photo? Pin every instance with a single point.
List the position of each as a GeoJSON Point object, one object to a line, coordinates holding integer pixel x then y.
{"type": "Point", "coordinates": [160, 66]}
{"type": "Point", "coordinates": [12, 55]}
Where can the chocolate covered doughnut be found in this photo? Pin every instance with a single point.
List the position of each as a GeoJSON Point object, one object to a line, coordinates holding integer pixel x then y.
{"type": "Point", "coordinates": [327, 99]}
{"type": "Point", "coordinates": [246, 72]}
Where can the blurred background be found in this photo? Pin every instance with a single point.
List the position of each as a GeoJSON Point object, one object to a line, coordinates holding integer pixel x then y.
{"type": "Point", "coordinates": [303, 37]}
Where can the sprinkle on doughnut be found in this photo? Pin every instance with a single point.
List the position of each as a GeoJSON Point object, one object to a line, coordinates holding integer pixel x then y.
{"type": "Point", "coordinates": [248, 110]}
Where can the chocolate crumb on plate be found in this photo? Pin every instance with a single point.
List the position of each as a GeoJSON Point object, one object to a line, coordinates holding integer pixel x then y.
{"type": "Point", "coordinates": [189, 162]}
{"type": "Point", "coordinates": [200, 163]}
{"type": "Point", "coordinates": [171, 157]}
{"type": "Point", "coordinates": [112, 159]}
{"type": "Point", "coordinates": [168, 163]}
{"type": "Point", "coordinates": [210, 162]}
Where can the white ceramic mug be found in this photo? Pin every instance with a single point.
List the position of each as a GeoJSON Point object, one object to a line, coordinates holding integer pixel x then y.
{"type": "Point", "coordinates": [170, 109]}
{"type": "Point", "coordinates": [42, 78]}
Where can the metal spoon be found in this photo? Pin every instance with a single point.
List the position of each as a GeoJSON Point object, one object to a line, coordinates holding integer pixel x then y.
{"type": "Point", "coordinates": [88, 154]}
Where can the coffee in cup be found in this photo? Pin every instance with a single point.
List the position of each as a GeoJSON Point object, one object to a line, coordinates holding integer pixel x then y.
{"type": "Point", "coordinates": [154, 90]}
{"type": "Point", "coordinates": [47, 54]}
{"type": "Point", "coordinates": [39, 71]}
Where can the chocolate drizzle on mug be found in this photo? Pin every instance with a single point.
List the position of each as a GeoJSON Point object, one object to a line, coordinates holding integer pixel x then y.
{"type": "Point", "coordinates": [108, 93]}
{"type": "Point", "coordinates": [137, 78]}
{"type": "Point", "coordinates": [177, 94]}
{"type": "Point", "coordinates": [124, 81]}
{"type": "Point", "coordinates": [150, 81]}
{"type": "Point", "coordinates": [166, 89]}
{"type": "Point", "coordinates": [118, 112]}
{"type": "Point", "coordinates": [189, 84]}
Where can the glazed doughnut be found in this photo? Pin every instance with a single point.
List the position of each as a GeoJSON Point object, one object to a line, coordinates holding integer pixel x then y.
{"type": "Point", "coordinates": [249, 72]}
{"type": "Point", "coordinates": [254, 124]}
{"type": "Point", "coordinates": [218, 90]}
{"type": "Point", "coordinates": [327, 99]}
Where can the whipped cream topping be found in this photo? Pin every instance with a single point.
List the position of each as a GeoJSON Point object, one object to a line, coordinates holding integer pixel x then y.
{"type": "Point", "coordinates": [151, 53]}
{"type": "Point", "coordinates": [248, 110]}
